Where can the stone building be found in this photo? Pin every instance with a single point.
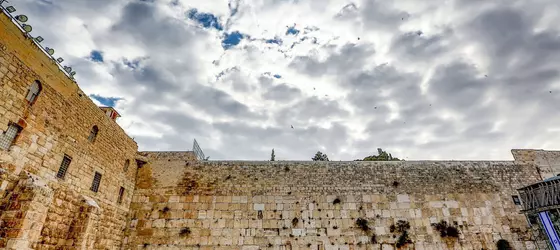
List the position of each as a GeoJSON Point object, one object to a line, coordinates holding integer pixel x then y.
{"type": "Point", "coordinates": [70, 178]}
{"type": "Point", "coordinates": [67, 170]}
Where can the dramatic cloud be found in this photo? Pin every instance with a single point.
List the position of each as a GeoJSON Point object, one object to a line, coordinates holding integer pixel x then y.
{"type": "Point", "coordinates": [424, 80]}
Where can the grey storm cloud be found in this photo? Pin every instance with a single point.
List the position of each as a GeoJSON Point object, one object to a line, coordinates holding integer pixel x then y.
{"type": "Point", "coordinates": [217, 102]}
{"type": "Point", "coordinates": [281, 93]}
{"type": "Point", "coordinates": [350, 58]}
{"type": "Point", "coordinates": [419, 46]}
{"type": "Point", "coordinates": [308, 110]}
{"type": "Point", "coordinates": [146, 24]}
{"type": "Point", "coordinates": [378, 14]}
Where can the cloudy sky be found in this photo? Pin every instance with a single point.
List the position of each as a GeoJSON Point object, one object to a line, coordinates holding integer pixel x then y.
{"type": "Point", "coordinates": [453, 79]}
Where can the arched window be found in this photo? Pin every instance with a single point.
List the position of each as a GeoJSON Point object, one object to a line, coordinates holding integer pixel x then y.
{"type": "Point", "coordinates": [93, 133]}
{"type": "Point", "coordinates": [33, 92]}
{"type": "Point", "coordinates": [126, 164]}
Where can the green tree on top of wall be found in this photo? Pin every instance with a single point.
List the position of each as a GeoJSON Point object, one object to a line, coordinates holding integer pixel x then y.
{"type": "Point", "coordinates": [272, 156]}
{"type": "Point", "coordinates": [320, 157]}
{"type": "Point", "coordinates": [381, 156]}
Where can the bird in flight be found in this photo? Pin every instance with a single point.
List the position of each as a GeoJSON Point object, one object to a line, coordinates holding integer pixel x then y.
{"type": "Point", "coordinates": [292, 126]}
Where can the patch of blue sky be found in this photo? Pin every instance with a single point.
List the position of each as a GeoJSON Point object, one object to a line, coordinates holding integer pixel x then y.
{"type": "Point", "coordinates": [207, 20]}
{"type": "Point", "coordinates": [292, 30]}
{"type": "Point", "coordinates": [96, 56]}
{"type": "Point", "coordinates": [107, 101]}
{"type": "Point", "coordinates": [276, 40]}
{"type": "Point", "coordinates": [232, 39]}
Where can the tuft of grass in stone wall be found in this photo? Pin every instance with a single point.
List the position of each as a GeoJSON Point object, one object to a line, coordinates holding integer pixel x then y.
{"type": "Point", "coordinates": [446, 230]}
{"type": "Point", "coordinates": [336, 201]}
{"type": "Point", "coordinates": [401, 227]}
{"type": "Point", "coordinates": [503, 245]}
{"type": "Point", "coordinates": [363, 225]}
{"type": "Point", "coordinates": [403, 240]}
{"type": "Point", "coordinates": [185, 232]}
{"type": "Point", "coordinates": [373, 239]}
{"type": "Point", "coordinates": [295, 222]}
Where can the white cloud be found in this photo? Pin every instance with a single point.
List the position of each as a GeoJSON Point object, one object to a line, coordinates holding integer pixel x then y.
{"type": "Point", "coordinates": [455, 79]}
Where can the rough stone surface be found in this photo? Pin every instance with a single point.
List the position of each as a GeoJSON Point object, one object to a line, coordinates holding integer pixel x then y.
{"type": "Point", "coordinates": [315, 205]}
{"type": "Point", "coordinates": [57, 123]}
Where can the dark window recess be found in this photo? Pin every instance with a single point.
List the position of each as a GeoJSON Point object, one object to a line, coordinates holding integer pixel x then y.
{"type": "Point", "coordinates": [516, 200]}
{"type": "Point", "coordinates": [64, 167]}
{"type": "Point", "coordinates": [33, 92]}
{"type": "Point", "coordinates": [126, 164]}
{"type": "Point", "coordinates": [121, 194]}
{"type": "Point", "coordinates": [96, 181]}
{"type": "Point", "coordinates": [93, 134]}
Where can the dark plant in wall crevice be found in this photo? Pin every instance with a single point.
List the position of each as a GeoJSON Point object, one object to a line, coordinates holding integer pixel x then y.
{"type": "Point", "coordinates": [336, 201]}
{"type": "Point", "coordinates": [295, 222]}
{"type": "Point", "coordinates": [446, 230]}
{"type": "Point", "coordinates": [503, 245]}
{"type": "Point", "coordinates": [185, 232]}
{"type": "Point", "coordinates": [401, 227]}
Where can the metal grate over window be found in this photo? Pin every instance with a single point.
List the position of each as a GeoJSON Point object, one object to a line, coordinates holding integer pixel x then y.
{"type": "Point", "coordinates": [96, 181]}
{"type": "Point", "coordinates": [8, 137]}
{"type": "Point", "coordinates": [121, 194]}
{"type": "Point", "coordinates": [64, 167]}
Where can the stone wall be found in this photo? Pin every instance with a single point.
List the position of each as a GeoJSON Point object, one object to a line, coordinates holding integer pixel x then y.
{"type": "Point", "coordinates": [58, 123]}
{"type": "Point", "coordinates": [315, 205]}
{"type": "Point", "coordinates": [546, 161]}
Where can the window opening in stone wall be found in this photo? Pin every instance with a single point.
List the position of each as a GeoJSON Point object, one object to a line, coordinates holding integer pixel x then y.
{"type": "Point", "coordinates": [33, 92]}
{"type": "Point", "coordinates": [64, 167]}
{"type": "Point", "coordinates": [126, 164]}
{"type": "Point", "coordinates": [8, 137]}
{"type": "Point", "coordinates": [121, 193]}
{"type": "Point", "coordinates": [516, 200]}
{"type": "Point", "coordinates": [96, 181]}
{"type": "Point", "coordinates": [93, 133]}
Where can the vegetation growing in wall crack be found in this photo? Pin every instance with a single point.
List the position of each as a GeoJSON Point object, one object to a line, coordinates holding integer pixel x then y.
{"type": "Point", "coordinates": [373, 239]}
{"type": "Point", "coordinates": [446, 230]}
{"type": "Point", "coordinates": [401, 227]}
{"type": "Point", "coordinates": [185, 232]}
{"type": "Point", "coordinates": [336, 201]}
{"type": "Point", "coordinates": [363, 225]}
{"type": "Point", "coordinates": [295, 222]}
{"type": "Point", "coordinates": [503, 245]}
{"type": "Point", "coordinates": [403, 240]}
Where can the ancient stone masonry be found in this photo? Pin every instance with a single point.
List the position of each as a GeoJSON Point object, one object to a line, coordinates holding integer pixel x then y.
{"type": "Point", "coordinates": [328, 205]}
{"type": "Point", "coordinates": [70, 178]}
{"type": "Point", "coordinates": [63, 213]}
